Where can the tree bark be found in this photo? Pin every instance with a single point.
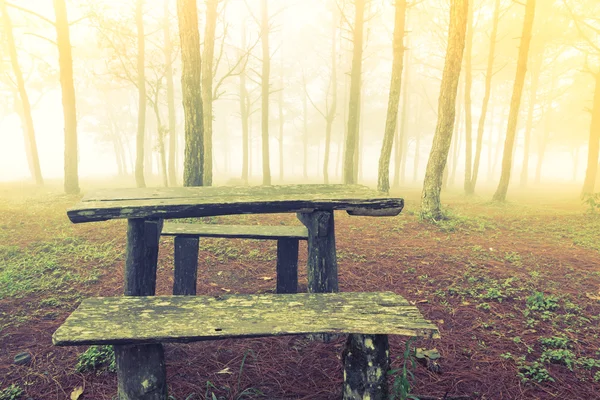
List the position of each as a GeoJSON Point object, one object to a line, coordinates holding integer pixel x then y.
{"type": "Point", "coordinates": [141, 83]}
{"type": "Point", "coordinates": [65, 60]}
{"type": "Point", "coordinates": [535, 78]}
{"type": "Point", "coordinates": [486, 97]}
{"type": "Point", "coordinates": [383, 183]}
{"type": "Point", "coordinates": [207, 87]}
{"type": "Point", "coordinates": [515, 102]}
{"type": "Point", "coordinates": [594, 143]}
{"type": "Point", "coordinates": [354, 105]}
{"type": "Point", "coordinates": [430, 203]}
{"type": "Point", "coordinates": [30, 140]}
{"type": "Point", "coordinates": [170, 95]}
{"type": "Point", "coordinates": [468, 111]}
{"type": "Point", "coordinates": [266, 69]}
{"type": "Point", "coordinates": [187, 13]}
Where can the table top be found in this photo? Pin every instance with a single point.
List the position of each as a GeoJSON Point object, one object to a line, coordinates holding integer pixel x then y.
{"type": "Point", "coordinates": [185, 202]}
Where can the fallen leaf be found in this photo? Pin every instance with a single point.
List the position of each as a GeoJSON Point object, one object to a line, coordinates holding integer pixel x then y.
{"type": "Point", "coordinates": [213, 284]}
{"type": "Point", "coordinates": [225, 371]}
{"type": "Point", "coordinates": [78, 391]}
{"type": "Point", "coordinates": [266, 278]}
{"type": "Point", "coordinates": [422, 301]}
{"type": "Point", "coordinates": [227, 290]}
{"type": "Point", "coordinates": [220, 273]}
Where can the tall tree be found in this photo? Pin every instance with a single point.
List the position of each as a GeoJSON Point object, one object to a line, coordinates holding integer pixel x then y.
{"type": "Point", "coordinates": [468, 110]}
{"type": "Point", "coordinates": [141, 84]}
{"type": "Point", "coordinates": [30, 141]}
{"type": "Point", "coordinates": [515, 102]}
{"type": "Point", "coordinates": [383, 183]}
{"type": "Point", "coordinates": [489, 73]}
{"type": "Point", "coordinates": [168, 49]}
{"type": "Point", "coordinates": [65, 60]}
{"type": "Point", "coordinates": [266, 69]}
{"type": "Point", "coordinates": [430, 201]}
{"type": "Point", "coordinates": [535, 79]}
{"type": "Point", "coordinates": [244, 113]}
{"type": "Point", "coordinates": [207, 86]}
{"type": "Point", "coordinates": [187, 14]}
{"type": "Point", "coordinates": [354, 104]}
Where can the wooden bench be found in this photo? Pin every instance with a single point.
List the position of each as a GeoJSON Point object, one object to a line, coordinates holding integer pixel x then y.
{"type": "Point", "coordinates": [186, 250]}
{"type": "Point", "coordinates": [138, 326]}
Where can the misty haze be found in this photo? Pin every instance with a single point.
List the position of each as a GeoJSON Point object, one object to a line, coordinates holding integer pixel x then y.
{"type": "Point", "coordinates": [170, 171]}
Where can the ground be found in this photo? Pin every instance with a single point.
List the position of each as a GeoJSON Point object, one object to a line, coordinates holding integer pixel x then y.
{"type": "Point", "coordinates": [513, 287]}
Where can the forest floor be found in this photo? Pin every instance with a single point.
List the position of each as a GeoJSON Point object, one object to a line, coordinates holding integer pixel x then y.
{"type": "Point", "coordinates": [513, 287]}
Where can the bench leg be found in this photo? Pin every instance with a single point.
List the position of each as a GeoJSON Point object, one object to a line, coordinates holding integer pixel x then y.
{"type": "Point", "coordinates": [186, 265]}
{"type": "Point", "coordinates": [287, 265]}
{"type": "Point", "coordinates": [366, 365]}
{"type": "Point", "coordinates": [141, 368]}
{"type": "Point", "coordinates": [322, 259]}
{"type": "Point", "coordinates": [141, 372]}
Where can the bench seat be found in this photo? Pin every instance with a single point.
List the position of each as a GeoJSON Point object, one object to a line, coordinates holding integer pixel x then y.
{"type": "Point", "coordinates": [137, 327]}
{"type": "Point", "coordinates": [235, 231]}
{"type": "Point", "coordinates": [158, 319]}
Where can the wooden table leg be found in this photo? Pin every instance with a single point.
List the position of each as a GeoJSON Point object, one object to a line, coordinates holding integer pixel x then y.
{"type": "Point", "coordinates": [322, 258]}
{"type": "Point", "coordinates": [287, 265]}
{"type": "Point", "coordinates": [366, 364]}
{"type": "Point", "coordinates": [141, 368]}
{"type": "Point", "coordinates": [186, 265]}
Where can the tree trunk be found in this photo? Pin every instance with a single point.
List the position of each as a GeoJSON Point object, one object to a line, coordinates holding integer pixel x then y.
{"type": "Point", "coordinates": [65, 60]}
{"type": "Point", "coordinates": [161, 142]}
{"type": "Point", "coordinates": [332, 109]}
{"type": "Point", "coordinates": [354, 105]}
{"type": "Point", "coordinates": [486, 97]}
{"type": "Point", "coordinates": [417, 144]}
{"type": "Point", "coordinates": [594, 143]}
{"type": "Point", "coordinates": [515, 102]}
{"type": "Point", "coordinates": [207, 87]}
{"type": "Point", "coordinates": [535, 78]}
{"type": "Point", "coordinates": [280, 98]}
{"type": "Point", "coordinates": [141, 82]}
{"type": "Point", "coordinates": [383, 183]}
{"type": "Point", "coordinates": [468, 187]}
{"type": "Point", "coordinates": [456, 137]}
{"type": "Point", "coordinates": [430, 203]}
{"type": "Point", "coordinates": [305, 130]}
{"type": "Point", "coordinates": [266, 68]}
{"type": "Point", "coordinates": [170, 95]}
{"type": "Point", "coordinates": [30, 141]}
{"type": "Point", "coordinates": [244, 111]}
{"type": "Point", "coordinates": [187, 13]}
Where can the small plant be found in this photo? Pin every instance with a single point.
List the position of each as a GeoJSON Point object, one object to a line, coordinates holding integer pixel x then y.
{"type": "Point", "coordinates": [559, 356]}
{"type": "Point", "coordinates": [534, 371]}
{"type": "Point", "coordinates": [597, 376]}
{"type": "Point", "coordinates": [403, 376]}
{"type": "Point", "coordinates": [555, 342]}
{"type": "Point", "coordinates": [593, 202]}
{"type": "Point", "coordinates": [588, 363]}
{"type": "Point", "coordinates": [540, 302]}
{"type": "Point", "coordinates": [13, 392]}
{"type": "Point", "coordinates": [97, 358]}
{"type": "Point", "coordinates": [484, 306]}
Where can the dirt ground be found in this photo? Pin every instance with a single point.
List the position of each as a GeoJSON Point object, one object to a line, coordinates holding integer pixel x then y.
{"type": "Point", "coordinates": [513, 288]}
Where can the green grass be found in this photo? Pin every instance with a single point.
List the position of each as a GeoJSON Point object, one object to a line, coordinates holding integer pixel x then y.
{"type": "Point", "coordinates": [97, 358]}
{"type": "Point", "coordinates": [52, 266]}
{"type": "Point", "coordinates": [13, 392]}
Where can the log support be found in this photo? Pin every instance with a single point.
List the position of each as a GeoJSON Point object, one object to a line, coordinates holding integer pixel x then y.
{"type": "Point", "coordinates": [366, 365]}
{"type": "Point", "coordinates": [322, 259]}
{"type": "Point", "coordinates": [287, 265]}
{"type": "Point", "coordinates": [186, 265]}
{"type": "Point", "coordinates": [141, 370]}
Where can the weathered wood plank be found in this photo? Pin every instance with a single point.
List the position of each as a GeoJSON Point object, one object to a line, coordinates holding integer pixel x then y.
{"type": "Point", "coordinates": [208, 201]}
{"type": "Point", "coordinates": [185, 273]}
{"type": "Point", "coordinates": [322, 257]}
{"type": "Point", "coordinates": [235, 231]}
{"type": "Point", "coordinates": [287, 266]}
{"type": "Point", "coordinates": [157, 319]}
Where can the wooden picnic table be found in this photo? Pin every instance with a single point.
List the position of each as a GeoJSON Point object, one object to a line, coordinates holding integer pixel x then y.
{"type": "Point", "coordinates": [314, 204]}
{"type": "Point", "coordinates": [145, 210]}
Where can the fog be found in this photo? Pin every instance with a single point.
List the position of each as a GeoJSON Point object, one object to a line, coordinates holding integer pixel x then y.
{"type": "Point", "coordinates": [555, 109]}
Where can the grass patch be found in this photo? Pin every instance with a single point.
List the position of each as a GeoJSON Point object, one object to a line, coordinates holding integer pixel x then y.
{"type": "Point", "coordinates": [52, 265]}
{"type": "Point", "coordinates": [97, 358]}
